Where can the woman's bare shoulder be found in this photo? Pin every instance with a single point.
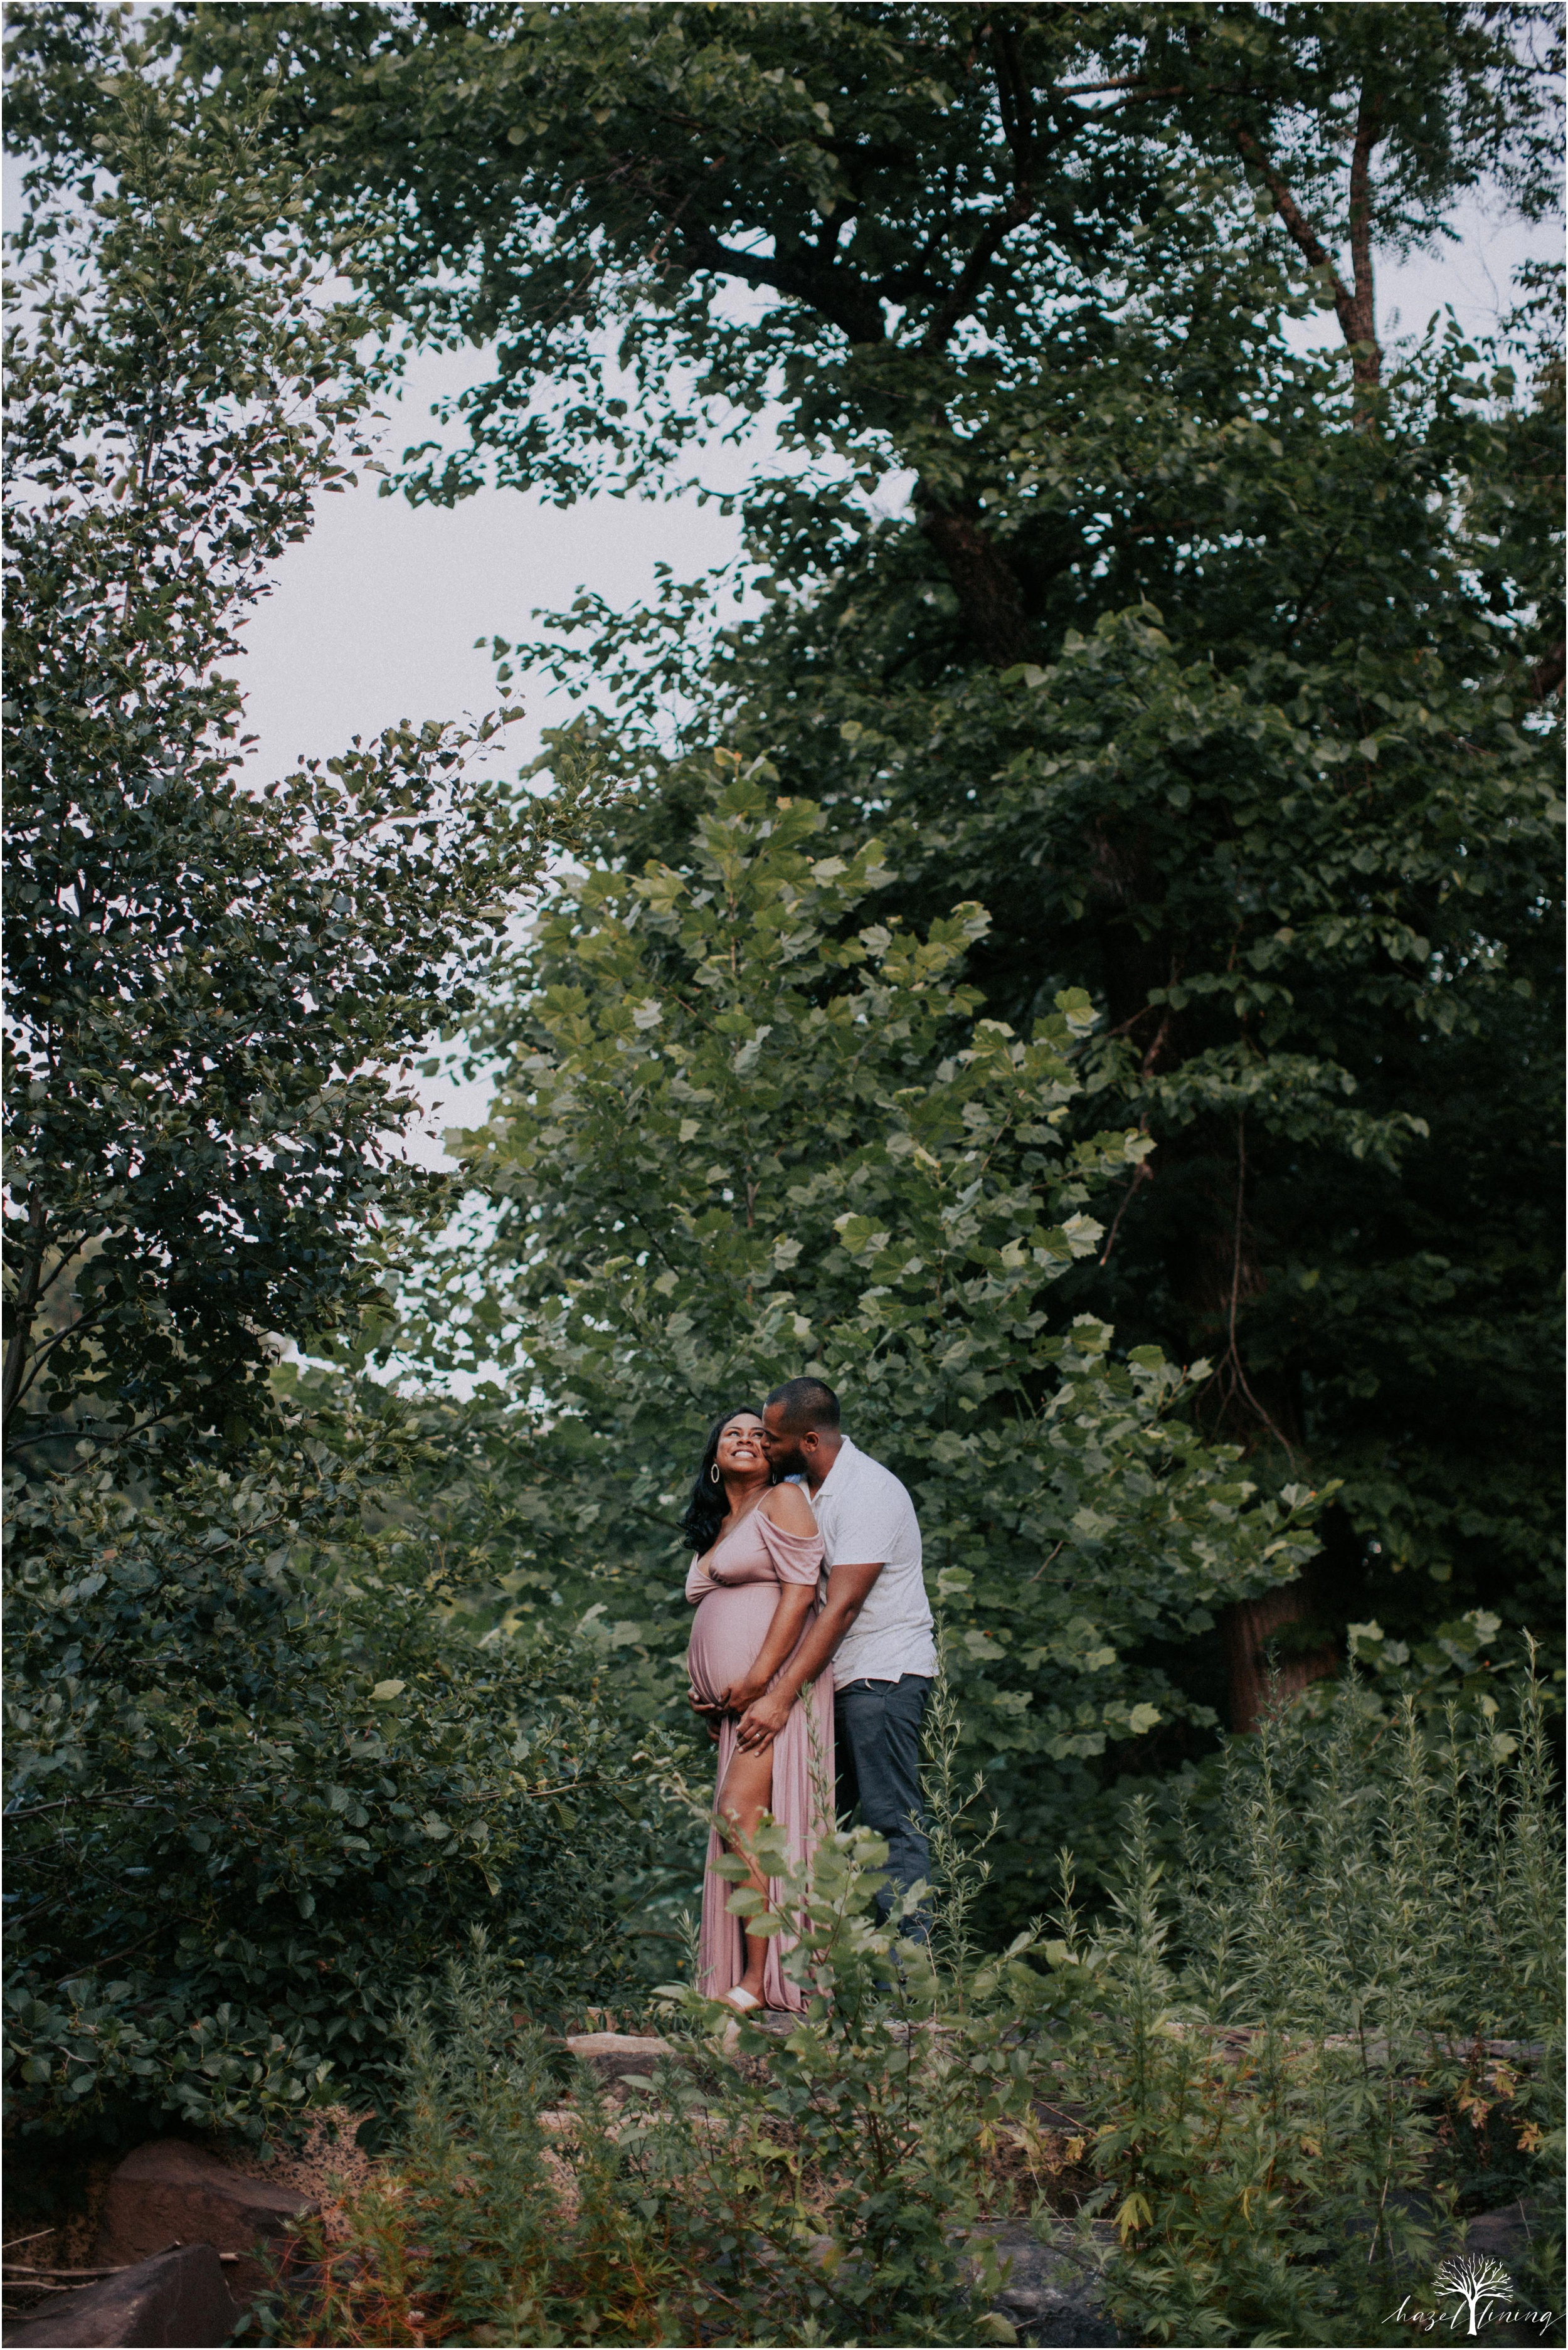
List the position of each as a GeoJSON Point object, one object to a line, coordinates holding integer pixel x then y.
{"type": "Point", "coordinates": [788, 1508]}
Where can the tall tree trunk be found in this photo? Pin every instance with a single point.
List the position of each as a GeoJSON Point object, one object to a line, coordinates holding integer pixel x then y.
{"type": "Point", "coordinates": [1219, 1272]}
{"type": "Point", "coordinates": [1254, 1679]}
{"type": "Point", "coordinates": [985, 585]}
{"type": "Point", "coordinates": [1355, 304]}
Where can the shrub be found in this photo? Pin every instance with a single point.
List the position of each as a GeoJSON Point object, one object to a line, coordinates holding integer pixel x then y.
{"type": "Point", "coordinates": [744, 1129]}
{"type": "Point", "coordinates": [260, 1782]}
{"type": "Point", "coordinates": [483, 2231]}
{"type": "Point", "coordinates": [811, 2189]}
{"type": "Point", "coordinates": [1281, 2060]}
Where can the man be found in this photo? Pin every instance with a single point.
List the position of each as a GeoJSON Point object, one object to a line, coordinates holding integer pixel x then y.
{"type": "Point", "coordinates": [875, 1627]}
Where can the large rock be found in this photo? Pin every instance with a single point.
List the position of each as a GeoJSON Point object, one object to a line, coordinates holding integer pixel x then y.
{"type": "Point", "coordinates": [1052, 2295]}
{"type": "Point", "coordinates": [1505, 2235]}
{"type": "Point", "coordinates": [614, 2055]}
{"type": "Point", "coordinates": [181, 2298]}
{"type": "Point", "coordinates": [170, 2192]}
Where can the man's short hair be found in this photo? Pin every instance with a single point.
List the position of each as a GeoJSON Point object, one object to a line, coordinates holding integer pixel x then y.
{"type": "Point", "coordinates": [806, 1404]}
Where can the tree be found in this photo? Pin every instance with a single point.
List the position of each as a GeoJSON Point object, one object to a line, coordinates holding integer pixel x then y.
{"type": "Point", "coordinates": [209, 985]}
{"type": "Point", "coordinates": [258, 1781]}
{"type": "Point", "coordinates": [1349, 933]}
{"type": "Point", "coordinates": [742, 1131]}
{"type": "Point", "coordinates": [1482, 2284]}
{"type": "Point", "coordinates": [1222, 676]}
{"type": "Point", "coordinates": [915, 196]}
{"type": "Point", "coordinates": [261, 1783]}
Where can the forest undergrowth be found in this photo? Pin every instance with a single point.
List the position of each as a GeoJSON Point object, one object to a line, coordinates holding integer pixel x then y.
{"type": "Point", "coordinates": [1263, 2092]}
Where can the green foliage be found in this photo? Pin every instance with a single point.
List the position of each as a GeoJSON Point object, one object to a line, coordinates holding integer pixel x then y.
{"type": "Point", "coordinates": [492, 2226]}
{"type": "Point", "coordinates": [1285, 2047]}
{"type": "Point", "coordinates": [259, 1779]}
{"type": "Point", "coordinates": [1317, 937]}
{"type": "Point", "coordinates": [742, 1130]}
{"type": "Point", "coordinates": [1223, 677]}
{"type": "Point", "coordinates": [1461, 1663]}
{"type": "Point", "coordinates": [1224, 674]}
{"type": "Point", "coordinates": [925, 212]}
{"type": "Point", "coordinates": [209, 985]}
{"type": "Point", "coordinates": [812, 2190]}
{"type": "Point", "coordinates": [1280, 2052]}
{"type": "Point", "coordinates": [888, 2094]}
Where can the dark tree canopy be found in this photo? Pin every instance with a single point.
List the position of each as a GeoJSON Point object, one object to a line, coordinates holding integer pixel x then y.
{"type": "Point", "coordinates": [257, 1783]}
{"type": "Point", "coordinates": [1226, 677]}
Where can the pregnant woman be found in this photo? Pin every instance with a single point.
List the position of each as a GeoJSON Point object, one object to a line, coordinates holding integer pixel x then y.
{"type": "Point", "coordinates": [754, 1586]}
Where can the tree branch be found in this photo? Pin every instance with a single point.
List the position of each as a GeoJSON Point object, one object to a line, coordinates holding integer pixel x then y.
{"type": "Point", "coordinates": [840, 296]}
{"type": "Point", "coordinates": [1018, 129]}
{"type": "Point", "coordinates": [985, 584]}
{"type": "Point", "coordinates": [1092, 88]}
{"type": "Point", "coordinates": [947, 317]}
{"type": "Point", "coordinates": [1368, 359]}
{"type": "Point", "coordinates": [1297, 223]}
{"type": "Point", "coordinates": [12, 1382]}
{"type": "Point", "coordinates": [1304, 599]}
{"type": "Point", "coordinates": [1355, 305]}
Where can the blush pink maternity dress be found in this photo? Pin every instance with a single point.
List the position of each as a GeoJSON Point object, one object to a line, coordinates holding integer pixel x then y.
{"type": "Point", "coordinates": [735, 1596]}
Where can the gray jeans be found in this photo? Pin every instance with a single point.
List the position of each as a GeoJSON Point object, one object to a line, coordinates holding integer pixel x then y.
{"type": "Point", "coordinates": [876, 1739]}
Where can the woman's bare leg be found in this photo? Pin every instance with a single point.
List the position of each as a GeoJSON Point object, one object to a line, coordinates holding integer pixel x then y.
{"type": "Point", "coordinates": [746, 1794]}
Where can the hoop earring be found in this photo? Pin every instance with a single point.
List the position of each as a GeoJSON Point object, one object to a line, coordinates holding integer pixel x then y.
{"type": "Point", "coordinates": [713, 1475]}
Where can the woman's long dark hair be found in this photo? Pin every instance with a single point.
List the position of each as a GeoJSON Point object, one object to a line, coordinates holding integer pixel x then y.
{"type": "Point", "coordinates": [710, 1504]}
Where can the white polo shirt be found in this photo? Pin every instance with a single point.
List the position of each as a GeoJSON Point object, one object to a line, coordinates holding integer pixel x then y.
{"type": "Point", "coordinates": [865, 1515]}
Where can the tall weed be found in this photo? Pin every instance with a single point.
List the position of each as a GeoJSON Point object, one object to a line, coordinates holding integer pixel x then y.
{"type": "Point", "coordinates": [1302, 2059]}
{"type": "Point", "coordinates": [1286, 2056]}
{"type": "Point", "coordinates": [489, 2225]}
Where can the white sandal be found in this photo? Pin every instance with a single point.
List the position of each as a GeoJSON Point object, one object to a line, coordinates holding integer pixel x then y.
{"type": "Point", "coordinates": [742, 2002]}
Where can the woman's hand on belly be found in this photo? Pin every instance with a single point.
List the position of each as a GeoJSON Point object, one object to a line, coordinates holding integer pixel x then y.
{"type": "Point", "coordinates": [710, 1715]}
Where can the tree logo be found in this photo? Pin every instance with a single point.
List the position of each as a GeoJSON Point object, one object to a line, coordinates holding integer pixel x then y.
{"type": "Point", "coordinates": [1478, 2288]}
{"type": "Point", "coordinates": [1478, 2282]}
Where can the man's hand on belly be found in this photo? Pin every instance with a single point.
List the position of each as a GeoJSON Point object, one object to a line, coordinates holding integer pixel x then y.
{"type": "Point", "coordinates": [744, 1693]}
{"type": "Point", "coordinates": [847, 1590]}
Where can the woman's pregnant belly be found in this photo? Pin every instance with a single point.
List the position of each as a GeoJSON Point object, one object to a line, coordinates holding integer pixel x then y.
{"type": "Point", "coordinates": [727, 1636]}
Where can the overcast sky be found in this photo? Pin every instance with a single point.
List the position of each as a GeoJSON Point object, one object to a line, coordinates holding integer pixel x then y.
{"type": "Point", "coordinates": [374, 617]}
